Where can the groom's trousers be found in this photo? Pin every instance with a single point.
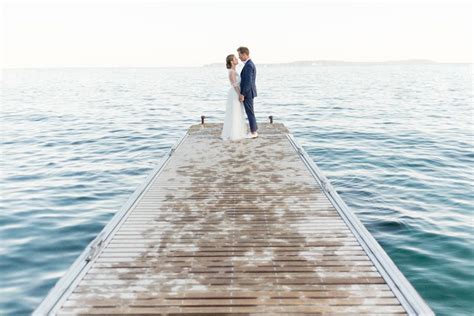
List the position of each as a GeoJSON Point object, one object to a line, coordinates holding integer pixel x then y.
{"type": "Point", "coordinates": [248, 105]}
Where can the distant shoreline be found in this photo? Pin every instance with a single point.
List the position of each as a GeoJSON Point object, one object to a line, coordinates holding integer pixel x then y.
{"type": "Point", "coordinates": [349, 63]}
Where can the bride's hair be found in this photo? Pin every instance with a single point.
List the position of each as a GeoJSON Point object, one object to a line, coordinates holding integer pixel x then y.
{"type": "Point", "coordinates": [228, 61]}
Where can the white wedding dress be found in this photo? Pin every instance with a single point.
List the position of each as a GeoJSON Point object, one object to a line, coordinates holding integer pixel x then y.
{"type": "Point", "coordinates": [235, 126]}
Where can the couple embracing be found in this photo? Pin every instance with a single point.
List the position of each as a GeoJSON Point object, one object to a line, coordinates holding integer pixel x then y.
{"type": "Point", "coordinates": [240, 98]}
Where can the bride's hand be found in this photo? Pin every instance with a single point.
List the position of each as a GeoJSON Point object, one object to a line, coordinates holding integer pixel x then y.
{"type": "Point", "coordinates": [241, 98]}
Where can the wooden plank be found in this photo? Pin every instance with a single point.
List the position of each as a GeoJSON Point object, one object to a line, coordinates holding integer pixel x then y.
{"type": "Point", "coordinates": [282, 309]}
{"type": "Point", "coordinates": [225, 294]}
{"type": "Point", "coordinates": [230, 301]}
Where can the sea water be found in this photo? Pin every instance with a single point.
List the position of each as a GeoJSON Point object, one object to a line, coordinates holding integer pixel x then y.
{"type": "Point", "coordinates": [396, 141]}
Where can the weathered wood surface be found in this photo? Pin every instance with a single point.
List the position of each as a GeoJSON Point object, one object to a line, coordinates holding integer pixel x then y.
{"type": "Point", "coordinates": [233, 227]}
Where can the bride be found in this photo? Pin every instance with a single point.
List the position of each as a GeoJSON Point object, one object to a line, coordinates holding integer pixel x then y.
{"type": "Point", "coordinates": [235, 126]}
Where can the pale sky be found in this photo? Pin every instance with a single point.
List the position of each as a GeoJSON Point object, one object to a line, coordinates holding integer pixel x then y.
{"type": "Point", "coordinates": [192, 33]}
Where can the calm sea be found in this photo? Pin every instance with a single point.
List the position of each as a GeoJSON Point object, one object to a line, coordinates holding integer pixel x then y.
{"type": "Point", "coordinates": [395, 141]}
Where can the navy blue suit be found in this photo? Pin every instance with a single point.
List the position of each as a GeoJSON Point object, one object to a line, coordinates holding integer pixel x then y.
{"type": "Point", "coordinates": [249, 90]}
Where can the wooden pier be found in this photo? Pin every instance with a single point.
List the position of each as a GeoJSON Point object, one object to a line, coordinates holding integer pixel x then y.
{"type": "Point", "coordinates": [245, 227]}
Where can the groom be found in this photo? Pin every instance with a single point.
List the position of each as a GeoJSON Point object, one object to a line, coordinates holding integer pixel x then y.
{"type": "Point", "coordinates": [248, 90]}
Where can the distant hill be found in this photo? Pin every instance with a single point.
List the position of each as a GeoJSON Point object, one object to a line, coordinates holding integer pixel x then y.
{"type": "Point", "coordinates": [340, 63]}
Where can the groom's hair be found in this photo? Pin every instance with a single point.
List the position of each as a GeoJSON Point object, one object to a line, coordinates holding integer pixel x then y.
{"type": "Point", "coordinates": [243, 50]}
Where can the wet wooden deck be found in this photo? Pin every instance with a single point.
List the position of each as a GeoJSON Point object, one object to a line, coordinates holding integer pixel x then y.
{"type": "Point", "coordinates": [231, 227]}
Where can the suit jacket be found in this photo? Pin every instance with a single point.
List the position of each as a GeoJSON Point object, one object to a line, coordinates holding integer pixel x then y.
{"type": "Point", "coordinates": [247, 80]}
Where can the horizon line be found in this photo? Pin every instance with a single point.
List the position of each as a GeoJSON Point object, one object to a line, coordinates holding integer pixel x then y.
{"type": "Point", "coordinates": [329, 61]}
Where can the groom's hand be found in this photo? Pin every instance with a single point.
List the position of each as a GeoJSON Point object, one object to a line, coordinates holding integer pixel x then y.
{"type": "Point", "coordinates": [241, 98]}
